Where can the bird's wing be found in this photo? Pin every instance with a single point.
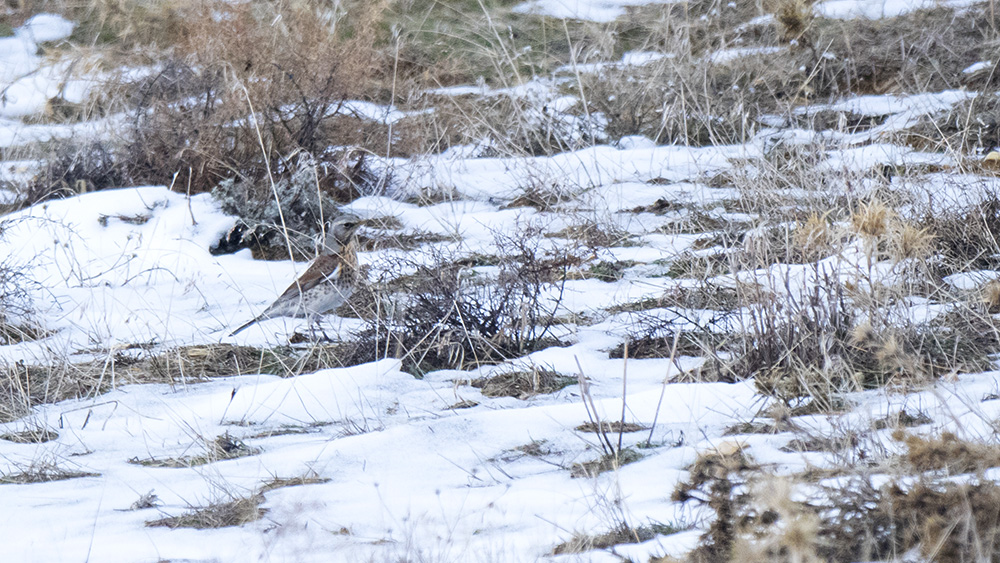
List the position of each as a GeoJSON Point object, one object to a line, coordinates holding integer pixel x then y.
{"type": "Point", "coordinates": [325, 267]}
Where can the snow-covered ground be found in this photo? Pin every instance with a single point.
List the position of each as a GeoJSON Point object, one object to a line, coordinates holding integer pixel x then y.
{"type": "Point", "coordinates": [402, 468]}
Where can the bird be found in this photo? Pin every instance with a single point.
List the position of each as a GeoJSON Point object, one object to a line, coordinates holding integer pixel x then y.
{"type": "Point", "coordinates": [328, 281]}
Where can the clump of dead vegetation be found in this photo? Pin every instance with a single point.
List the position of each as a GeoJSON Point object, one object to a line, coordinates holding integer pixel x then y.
{"type": "Point", "coordinates": [622, 534]}
{"type": "Point", "coordinates": [41, 471]}
{"type": "Point", "coordinates": [222, 447]}
{"type": "Point", "coordinates": [443, 314]}
{"type": "Point", "coordinates": [36, 435]}
{"type": "Point", "coordinates": [246, 102]}
{"type": "Point", "coordinates": [947, 452]}
{"type": "Point", "coordinates": [814, 346]}
{"type": "Point", "coordinates": [236, 511]}
{"type": "Point", "coordinates": [233, 509]}
{"type": "Point", "coordinates": [244, 99]}
{"type": "Point", "coordinates": [522, 384]}
{"type": "Point", "coordinates": [761, 518]}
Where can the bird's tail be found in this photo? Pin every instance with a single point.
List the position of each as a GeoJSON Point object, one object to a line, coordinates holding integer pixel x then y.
{"type": "Point", "coordinates": [245, 325]}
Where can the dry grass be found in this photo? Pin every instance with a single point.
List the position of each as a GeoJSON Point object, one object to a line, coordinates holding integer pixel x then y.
{"type": "Point", "coordinates": [947, 452]}
{"type": "Point", "coordinates": [23, 386]}
{"type": "Point", "coordinates": [522, 384]}
{"type": "Point", "coordinates": [623, 534]}
{"type": "Point", "coordinates": [607, 462]}
{"type": "Point", "coordinates": [612, 426]}
{"type": "Point", "coordinates": [256, 110]}
{"type": "Point", "coordinates": [292, 77]}
{"type": "Point", "coordinates": [759, 517]}
{"type": "Point", "coordinates": [234, 512]}
{"type": "Point", "coordinates": [281, 482]}
{"type": "Point", "coordinates": [441, 314]}
{"type": "Point", "coordinates": [221, 448]}
{"type": "Point", "coordinates": [41, 471]}
{"type": "Point", "coordinates": [36, 435]}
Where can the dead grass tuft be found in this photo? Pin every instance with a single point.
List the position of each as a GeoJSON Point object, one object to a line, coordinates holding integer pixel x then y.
{"type": "Point", "coordinates": [623, 534]}
{"type": "Point", "coordinates": [612, 426]}
{"type": "Point", "coordinates": [871, 220]}
{"type": "Point", "coordinates": [235, 512]}
{"type": "Point", "coordinates": [607, 462]}
{"type": "Point", "coordinates": [36, 435]}
{"type": "Point", "coordinates": [221, 448]}
{"type": "Point", "coordinates": [523, 384]}
{"type": "Point", "coordinates": [947, 452]}
{"type": "Point", "coordinates": [41, 472]}
{"type": "Point", "coordinates": [281, 482]}
{"type": "Point", "coordinates": [763, 518]}
{"type": "Point", "coordinates": [443, 314]}
{"type": "Point", "coordinates": [794, 18]}
{"type": "Point", "coordinates": [23, 386]}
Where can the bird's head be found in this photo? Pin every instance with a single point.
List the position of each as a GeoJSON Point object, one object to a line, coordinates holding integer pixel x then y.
{"type": "Point", "coordinates": [340, 231]}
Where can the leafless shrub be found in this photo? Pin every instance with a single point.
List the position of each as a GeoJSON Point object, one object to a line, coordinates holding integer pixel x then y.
{"type": "Point", "coordinates": [259, 91]}
{"type": "Point", "coordinates": [967, 237]}
{"type": "Point", "coordinates": [828, 340]}
{"type": "Point", "coordinates": [72, 167]}
{"type": "Point", "coordinates": [449, 315]}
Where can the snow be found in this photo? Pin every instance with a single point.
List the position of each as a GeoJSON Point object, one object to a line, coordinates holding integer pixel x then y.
{"type": "Point", "coordinates": [449, 487]}
{"type": "Point", "coordinates": [631, 58]}
{"type": "Point", "coordinates": [405, 474]}
{"type": "Point", "coordinates": [41, 28]}
{"type": "Point", "coordinates": [977, 67]}
{"type": "Point", "coordinates": [734, 55]}
{"type": "Point", "coordinates": [876, 9]}
{"type": "Point", "coordinates": [28, 83]}
{"type": "Point", "coordinates": [578, 170]}
{"type": "Point", "coordinates": [593, 10]}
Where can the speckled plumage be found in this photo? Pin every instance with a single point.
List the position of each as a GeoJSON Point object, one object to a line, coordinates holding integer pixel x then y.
{"type": "Point", "coordinates": [326, 284]}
